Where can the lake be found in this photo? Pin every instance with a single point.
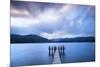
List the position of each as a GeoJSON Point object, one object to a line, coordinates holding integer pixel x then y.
{"type": "Point", "coordinates": [24, 54]}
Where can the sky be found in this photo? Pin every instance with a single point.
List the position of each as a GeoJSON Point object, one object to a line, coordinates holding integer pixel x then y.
{"type": "Point", "coordinates": [52, 20]}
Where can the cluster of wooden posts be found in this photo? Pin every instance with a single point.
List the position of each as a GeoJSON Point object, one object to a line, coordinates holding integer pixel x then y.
{"type": "Point", "coordinates": [60, 48]}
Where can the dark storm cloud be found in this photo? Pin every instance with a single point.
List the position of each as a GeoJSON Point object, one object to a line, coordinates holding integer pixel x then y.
{"type": "Point", "coordinates": [32, 8]}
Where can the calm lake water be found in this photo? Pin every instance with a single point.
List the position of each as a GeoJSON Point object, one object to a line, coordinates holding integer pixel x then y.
{"type": "Point", "coordinates": [37, 53]}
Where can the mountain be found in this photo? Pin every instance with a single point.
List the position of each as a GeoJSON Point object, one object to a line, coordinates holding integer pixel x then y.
{"type": "Point", "coordinates": [27, 39]}
{"type": "Point", "coordinates": [76, 39]}
{"type": "Point", "coordinates": [38, 39]}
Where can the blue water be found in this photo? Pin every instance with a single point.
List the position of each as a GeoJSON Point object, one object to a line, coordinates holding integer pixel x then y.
{"type": "Point", "coordinates": [37, 53]}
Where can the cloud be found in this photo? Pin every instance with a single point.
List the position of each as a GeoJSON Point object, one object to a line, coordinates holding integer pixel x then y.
{"type": "Point", "coordinates": [53, 35]}
{"type": "Point", "coordinates": [32, 8]}
{"type": "Point", "coordinates": [23, 22]}
{"type": "Point", "coordinates": [52, 20]}
{"type": "Point", "coordinates": [49, 15]}
{"type": "Point", "coordinates": [59, 34]}
{"type": "Point", "coordinates": [17, 13]}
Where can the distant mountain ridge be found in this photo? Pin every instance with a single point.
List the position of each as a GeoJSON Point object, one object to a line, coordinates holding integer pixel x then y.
{"type": "Point", "coordinates": [38, 39]}
{"type": "Point", "coordinates": [76, 39]}
{"type": "Point", "coordinates": [27, 39]}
